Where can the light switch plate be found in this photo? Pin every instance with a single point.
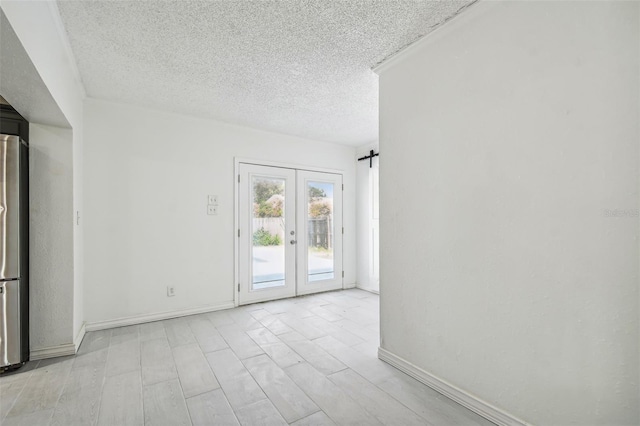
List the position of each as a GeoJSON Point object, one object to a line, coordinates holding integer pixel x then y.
{"type": "Point", "coordinates": [212, 210]}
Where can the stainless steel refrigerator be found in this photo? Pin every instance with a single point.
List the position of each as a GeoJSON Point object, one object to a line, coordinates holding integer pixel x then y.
{"type": "Point", "coordinates": [14, 252]}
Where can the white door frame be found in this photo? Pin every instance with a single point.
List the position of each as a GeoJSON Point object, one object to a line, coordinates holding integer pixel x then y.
{"type": "Point", "coordinates": [277, 289]}
{"type": "Point", "coordinates": [236, 206]}
{"type": "Point", "coordinates": [303, 284]}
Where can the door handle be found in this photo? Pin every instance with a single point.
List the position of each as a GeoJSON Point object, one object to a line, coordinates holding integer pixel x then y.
{"type": "Point", "coordinates": [293, 241]}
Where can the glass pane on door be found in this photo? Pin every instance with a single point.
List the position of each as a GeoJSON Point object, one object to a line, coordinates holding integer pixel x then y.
{"type": "Point", "coordinates": [268, 230]}
{"type": "Point", "coordinates": [320, 229]}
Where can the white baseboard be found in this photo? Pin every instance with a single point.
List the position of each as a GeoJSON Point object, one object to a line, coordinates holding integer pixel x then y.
{"type": "Point", "coordinates": [370, 290]}
{"type": "Point", "coordinates": [59, 350]}
{"type": "Point", "coordinates": [78, 340]}
{"type": "Point", "coordinates": [347, 286]}
{"type": "Point", "coordinates": [53, 351]}
{"type": "Point", "coordinates": [141, 319]}
{"type": "Point", "coordinates": [463, 398]}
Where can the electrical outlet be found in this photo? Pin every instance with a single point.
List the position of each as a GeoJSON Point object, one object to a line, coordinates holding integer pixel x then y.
{"type": "Point", "coordinates": [212, 200]}
{"type": "Point", "coordinates": [171, 291]}
{"type": "Point", "coordinates": [212, 210]}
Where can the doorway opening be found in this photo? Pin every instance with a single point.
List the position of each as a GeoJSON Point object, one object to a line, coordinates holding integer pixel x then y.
{"type": "Point", "coordinates": [289, 232]}
{"type": "Point", "coordinates": [368, 219]}
{"type": "Point", "coordinates": [374, 227]}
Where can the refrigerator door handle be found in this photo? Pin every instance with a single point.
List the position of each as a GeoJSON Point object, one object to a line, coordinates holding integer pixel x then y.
{"type": "Point", "coordinates": [9, 207]}
{"type": "Point", "coordinates": [10, 337]}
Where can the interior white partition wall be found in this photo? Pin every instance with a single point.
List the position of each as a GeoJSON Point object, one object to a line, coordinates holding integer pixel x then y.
{"type": "Point", "coordinates": [43, 46]}
{"type": "Point", "coordinates": [509, 210]}
{"type": "Point", "coordinates": [147, 177]}
{"type": "Point", "coordinates": [51, 240]}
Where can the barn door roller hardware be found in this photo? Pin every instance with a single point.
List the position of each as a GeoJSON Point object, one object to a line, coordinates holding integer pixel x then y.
{"type": "Point", "coordinates": [369, 157]}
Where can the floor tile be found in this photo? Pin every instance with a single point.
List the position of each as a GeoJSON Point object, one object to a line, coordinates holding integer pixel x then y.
{"type": "Point", "coordinates": [429, 404]}
{"type": "Point", "coordinates": [178, 332]}
{"type": "Point", "coordinates": [238, 385]}
{"type": "Point", "coordinates": [261, 413]}
{"type": "Point", "coordinates": [371, 368]}
{"type": "Point", "coordinates": [243, 319]}
{"type": "Point", "coordinates": [91, 359]}
{"type": "Point", "coordinates": [280, 353]}
{"type": "Point", "coordinates": [220, 318]}
{"type": "Point", "coordinates": [123, 357]}
{"type": "Point", "coordinates": [302, 326]}
{"type": "Point", "coordinates": [387, 410]}
{"type": "Point", "coordinates": [194, 372]}
{"type": "Point", "coordinates": [241, 344]}
{"type": "Point", "coordinates": [151, 331]}
{"type": "Point", "coordinates": [338, 333]}
{"type": "Point", "coordinates": [211, 408]}
{"type": "Point", "coordinates": [121, 402]}
{"type": "Point", "coordinates": [95, 341]}
{"type": "Point", "coordinates": [34, 418]}
{"type": "Point", "coordinates": [288, 398]}
{"type": "Point", "coordinates": [316, 356]}
{"type": "Point", "coordinates": [208, 337]}
{"type": "Point", "coordinates": [80, 399]}
{"type": "Point", "coordinates": [316, 419]}
{"type": "Point", "coordinates": [274, 324]}
{"type": "Point", "coordinates": [325, 314]}
{"type": "Point", "coordinates": [156, 360]}
{"type": "Point", "coordinates": [310, 360]}
{"type": "Point", "coordinates": [11, 384]}
{"type": "Point", "coordinates": [43, 388]}
{"type": "Point", "coordinates": [124, 334]}
{"type": "Point", "coordinates": [164, 404]}
{"type": "Point", "coordinates": [329, 397]}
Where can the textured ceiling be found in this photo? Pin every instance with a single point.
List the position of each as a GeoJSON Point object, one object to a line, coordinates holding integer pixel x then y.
{"type": "Point", "coordinates": [297, 67]}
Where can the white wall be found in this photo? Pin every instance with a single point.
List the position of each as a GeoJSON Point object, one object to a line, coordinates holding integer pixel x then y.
{"type": "Point", "coordinates": [507, 135]}
{"type": "Point", "coordinates": [366, 279]}
{"type": "Point", "coordinates": [38, 26]}
{"type": "Point", "coordinates": [147, 176]}
{"type": "Point", "coordinates": [51, 237]}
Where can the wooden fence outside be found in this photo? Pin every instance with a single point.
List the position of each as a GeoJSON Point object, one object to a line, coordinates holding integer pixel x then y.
{"type": "Point", "coordinates": [320, 231]}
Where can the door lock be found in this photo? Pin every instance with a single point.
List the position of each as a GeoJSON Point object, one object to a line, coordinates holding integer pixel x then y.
{"type": "Point", "coordinates": [293, 241]}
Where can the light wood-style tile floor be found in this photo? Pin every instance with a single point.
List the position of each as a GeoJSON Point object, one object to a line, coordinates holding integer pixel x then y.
{"type": "Point", "coordinates": [304, 361]}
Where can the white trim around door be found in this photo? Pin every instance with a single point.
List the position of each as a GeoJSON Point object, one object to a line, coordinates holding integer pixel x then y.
{"type": "Point", "coordinates": [288, 226]}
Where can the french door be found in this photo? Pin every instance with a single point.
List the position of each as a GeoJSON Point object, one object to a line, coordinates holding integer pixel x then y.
{"type": "Point", "coordinates": [290, 232]}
